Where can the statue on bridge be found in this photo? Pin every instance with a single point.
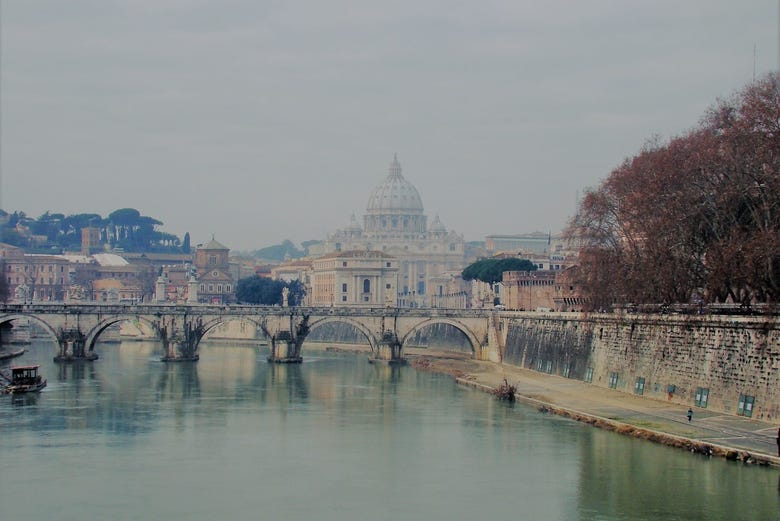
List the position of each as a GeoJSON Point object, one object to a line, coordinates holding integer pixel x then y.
{"type": "Point", "coordinates": [22, 293]}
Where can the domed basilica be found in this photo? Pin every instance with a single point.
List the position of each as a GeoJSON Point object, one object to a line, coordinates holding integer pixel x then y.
{"type": "Point", "coordinates": [395, 223]}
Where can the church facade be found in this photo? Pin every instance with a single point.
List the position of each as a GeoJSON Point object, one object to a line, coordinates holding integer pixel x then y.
{"type": "Point", "coordinates": [216, 284]}
{"type": "Point", "coordinates": [396, 225]}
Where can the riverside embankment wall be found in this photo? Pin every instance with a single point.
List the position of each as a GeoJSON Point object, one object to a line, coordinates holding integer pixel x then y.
{"type": "Point", "coordinates": [731, 362]}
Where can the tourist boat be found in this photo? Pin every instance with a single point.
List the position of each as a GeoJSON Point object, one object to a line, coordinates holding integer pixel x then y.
{"type": "Point", "coordinates": [25, 379]}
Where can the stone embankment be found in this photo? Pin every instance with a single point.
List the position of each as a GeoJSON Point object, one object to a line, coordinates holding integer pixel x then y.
{"type": "Point", "coordinates": [729, 364]}
{"type": "Point", "coordinates": [709, 433]}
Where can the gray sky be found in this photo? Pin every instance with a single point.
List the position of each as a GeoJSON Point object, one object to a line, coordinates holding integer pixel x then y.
{"type": "Point", "coordinates": [260, 120]}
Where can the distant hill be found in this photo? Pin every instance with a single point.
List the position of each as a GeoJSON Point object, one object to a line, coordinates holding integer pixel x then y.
{"type": "Point", "coordinates": [285, 250]}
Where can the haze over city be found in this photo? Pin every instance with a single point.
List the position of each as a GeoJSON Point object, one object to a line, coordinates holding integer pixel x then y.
{"type": "Point", "coordinates": [264, 121]}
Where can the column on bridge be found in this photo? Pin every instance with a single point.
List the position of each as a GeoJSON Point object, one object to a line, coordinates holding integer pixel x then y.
{"type": "Point", "coordinates": [160, 288]}
{"type": "Point", "coordinates": [192, 290]}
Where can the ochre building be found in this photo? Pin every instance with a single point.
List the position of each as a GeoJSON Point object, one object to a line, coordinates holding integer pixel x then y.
{"type": "Point", "coordinates": [354, 278]}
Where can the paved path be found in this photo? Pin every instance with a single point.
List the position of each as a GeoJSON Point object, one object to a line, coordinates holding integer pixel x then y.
{"type": "Point", "coordinates": [711, 427]}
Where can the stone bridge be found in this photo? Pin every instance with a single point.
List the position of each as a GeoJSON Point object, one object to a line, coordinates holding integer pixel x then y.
{"type": "Point", "coordinates": [180, 328]}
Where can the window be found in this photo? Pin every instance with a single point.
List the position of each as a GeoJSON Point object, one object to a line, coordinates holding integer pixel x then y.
{"type": "Point", "coordinates": [701, 397]}
{"type": "Point", "coordinates": [388, 264]}
{"type": "Point", "coordinates": [365, 299]}
{"type": "Point", "coordinates": [211, 288]}
{"type": "Point", "coordinates": [219, 288]}
{"type": "Point", "coordinates": [639, 386]}
{"type": "Point", "coordinates": [387, 286]}
{"type": "Point", "coordinates": [366, 286]}
{"type": "Point", "coordinates": [215, 274]}
{"type": "Point", "coordinates": [745, 405]}
{"type": "Point", "coordinates": [212, 259]}
{"type": "Point", "coordinates": [344, 298]}
{"type": "Point", "coordinates": [227, 288]}
{"type": "Point", "coordinates": [344, 264]}
{"type": "Point", "coordinates": [613, 380]}
{"type": "Point", "coordinates": [344, 288]}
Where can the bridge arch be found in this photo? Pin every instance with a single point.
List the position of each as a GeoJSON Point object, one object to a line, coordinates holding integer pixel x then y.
{"type": "Point", "coordinates": [7, 319]}
{"type": "Point", "coordinates": [94, 333]}
{"type": "Point", "coordinates": [467, 332]}
{"type": "Point", "coordinates": [372, 341]}
{"type": "Point", "coordinates": [218, 321]}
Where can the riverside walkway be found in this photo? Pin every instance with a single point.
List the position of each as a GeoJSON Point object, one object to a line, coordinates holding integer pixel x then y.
{"type": "Point", "coordinates": [642, 417]}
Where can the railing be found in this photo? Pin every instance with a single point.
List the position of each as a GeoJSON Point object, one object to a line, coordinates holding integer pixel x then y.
{"type": "Point", "coordinates": [238, 309]}
{"type": "Point", "coordinates": [701, 309]}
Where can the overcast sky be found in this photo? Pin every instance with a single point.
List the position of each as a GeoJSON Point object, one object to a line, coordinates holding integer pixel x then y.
{"type": "Point", "coordinates": [259, 121]}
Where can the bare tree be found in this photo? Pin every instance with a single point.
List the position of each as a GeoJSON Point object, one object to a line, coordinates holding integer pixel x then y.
{"type": "Point", "coordinates": [697, 217]}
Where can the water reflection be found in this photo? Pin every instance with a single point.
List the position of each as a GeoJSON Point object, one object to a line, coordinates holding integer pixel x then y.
{"type": "Point", "coordinates": [620, 475]}
{"type": "Point", "coordinates": [227, 436]}
{"type": "Point", "coordinates": [177, 381]}
{"type": "Point", "coordinates": [77, 370]}
{"type": "Point", "coordinates": [285, 384]}
{"type": "Point", "coordinates": [24, 400]}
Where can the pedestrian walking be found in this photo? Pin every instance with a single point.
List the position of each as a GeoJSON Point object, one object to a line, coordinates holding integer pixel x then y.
{"type": "Point", "coordinates": [690, 416]}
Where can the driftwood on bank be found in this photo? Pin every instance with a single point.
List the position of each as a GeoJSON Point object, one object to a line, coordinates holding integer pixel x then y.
{"type": "Point", "coordinates": [505, 391]}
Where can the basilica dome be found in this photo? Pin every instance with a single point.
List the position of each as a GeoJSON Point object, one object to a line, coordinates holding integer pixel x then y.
{"type": "Point", "coordinates": [395, 195]}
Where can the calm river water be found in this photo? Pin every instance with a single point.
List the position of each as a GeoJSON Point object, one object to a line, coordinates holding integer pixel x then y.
{"type": "Point", "coordinates": [232, 437]}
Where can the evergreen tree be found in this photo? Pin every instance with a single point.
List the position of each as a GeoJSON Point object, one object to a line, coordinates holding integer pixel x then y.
{"type": "Point", "coordinates": [491, 270]}
{"type": "Point", "coordinates": [259, 290]}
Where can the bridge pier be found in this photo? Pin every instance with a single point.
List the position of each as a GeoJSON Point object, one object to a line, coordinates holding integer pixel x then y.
{"type": "Point", "coordinates": [179, 351]}
{"type": "Point", "coordinates": [181, 344]}
{"type": "Point", "coordinates": [285, 349]}
{"type": "Point", "coordinates": [72, 347]}
{"type": "Point", "coordinates": [388, 350]}
{"type": "Point", "coordinates": [286, 344]}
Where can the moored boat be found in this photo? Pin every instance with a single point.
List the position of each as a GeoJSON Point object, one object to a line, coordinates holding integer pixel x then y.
{"type": "Point", "coordinates": [25, 379]}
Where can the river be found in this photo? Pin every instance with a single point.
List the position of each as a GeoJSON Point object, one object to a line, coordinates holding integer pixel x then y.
{"type": "Point", "coordinates": [232, 437]}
